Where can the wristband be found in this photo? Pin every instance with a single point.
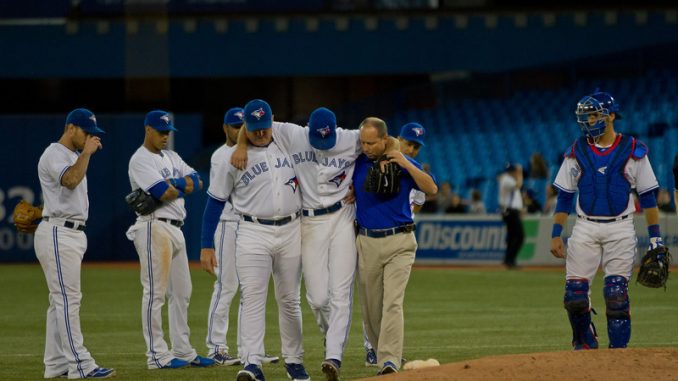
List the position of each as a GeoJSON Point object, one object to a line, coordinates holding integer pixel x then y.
{"type": "Point", "coordinates": [557, 230]}
{"type": "Point", "coordinates": [653, 231]}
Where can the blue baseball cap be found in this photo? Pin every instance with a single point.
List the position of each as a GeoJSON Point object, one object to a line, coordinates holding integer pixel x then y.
{"type": "Point", "coordinates": [413, 132]}
{"type": "Point", "coordinates": [322, 129]}
{"type": "Point", "coordinates": [84, 119]}
{"type": "Point", "coordinates": [159, 120]}
{"type": "Point", "coordinates": [258, 115]}
{"type": "Point", "coordinates": [234, 116]}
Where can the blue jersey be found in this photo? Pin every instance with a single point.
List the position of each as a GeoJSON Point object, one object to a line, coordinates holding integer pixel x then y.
{"type": "Point", "coordinates": [378, 211]}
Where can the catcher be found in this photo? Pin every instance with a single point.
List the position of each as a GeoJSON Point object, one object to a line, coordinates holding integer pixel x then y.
{"type": "Point", "coordinates": [605, 167]}
{"type": "Point", "coordinates": [26, 217]}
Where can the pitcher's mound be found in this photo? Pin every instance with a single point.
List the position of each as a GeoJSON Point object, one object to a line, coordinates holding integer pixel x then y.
{"type": "Point", "coordinates": [603, 364]}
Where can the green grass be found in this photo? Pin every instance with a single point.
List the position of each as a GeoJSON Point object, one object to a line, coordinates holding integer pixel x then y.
{"type": "Point", "coordinates": [450, 314]}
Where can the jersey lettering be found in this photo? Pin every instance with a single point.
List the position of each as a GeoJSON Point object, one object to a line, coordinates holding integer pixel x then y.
{"type": "Point", "coordinates": [282, 163]}
{"type": "Point", "coordinates": [253, 172]}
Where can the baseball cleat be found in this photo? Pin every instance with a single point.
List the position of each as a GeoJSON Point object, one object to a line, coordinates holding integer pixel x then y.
{"type": "Point", "coordinates": [224, 359]}
{"type": "Point", "coordinates": [203, 362]}
{"type": "Point", "coordinates": [101, 373]}
{"type": "Point", "coordinates": [176, 363]}
{"type": "Point", "coordinates": [270, 359]}
{"type": "Point", "coordinates": [250, 373]}
{"type": "Point", "coordinates": [297, 372]}
{"type": "Point", "coordinates": [330, 368]}
{"type": "Point", "coordinates": [388, 368]}
{"type": "Point", "coordinates": [371, 358]}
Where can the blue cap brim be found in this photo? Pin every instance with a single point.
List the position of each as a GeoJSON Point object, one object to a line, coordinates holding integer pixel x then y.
{"type": "Point", "coordinates": [323, 144]}
{"type": "Point", "coordinates": [263, 125]}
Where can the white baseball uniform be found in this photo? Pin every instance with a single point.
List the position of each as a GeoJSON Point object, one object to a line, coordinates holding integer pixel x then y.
{"type": "Point", "coordinates": [226, 284]}
{"type": "Point", "coordinates": [60, 244]}
{"type": "Point", "coordinates": [417, 198]}
{"type": "Point", "coordinates": [267, 198]}
{"type": "Point", "coordinates": [616, 239]}
{"type": "Point", "coordinates": [162, 254]}
{"type": "Point", "coordinates": [328, 249]}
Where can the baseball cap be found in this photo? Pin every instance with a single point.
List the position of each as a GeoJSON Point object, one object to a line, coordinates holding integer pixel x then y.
{"type": "Point", "coordinates": [322, 129]}
{"type": "Point", "coordinates": [84, 119]}
{"type": "Point", "coordinates": [258, 115]}
{"type": "Point", "coordinates": [159, 120]}
{"type": "Point", "coordinates": [510, 167]}
{"type": "Point", "coordinates": [234, 116]}
{"type": "Point", "coordinates": [413, 132]}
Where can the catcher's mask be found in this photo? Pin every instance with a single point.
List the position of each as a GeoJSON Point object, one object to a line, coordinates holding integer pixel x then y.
{"type": "Point", "coordinates": [592, 111]}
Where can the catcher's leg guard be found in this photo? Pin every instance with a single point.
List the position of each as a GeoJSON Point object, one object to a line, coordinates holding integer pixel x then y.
{"type": "Point", "coordinates": [616, 294]}
{"type": "Point", "coordinates": [579, 312]}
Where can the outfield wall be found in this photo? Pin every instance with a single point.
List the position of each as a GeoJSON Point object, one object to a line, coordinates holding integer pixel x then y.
{"type": "Point", "coordinates": [479, 240]}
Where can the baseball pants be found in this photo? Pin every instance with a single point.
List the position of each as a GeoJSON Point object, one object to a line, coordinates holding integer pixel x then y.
{"type": "Point", "coordinates": [164, 273]}
{"type": "Point", "coordinates": [225, 287]}
{"type": "Point", "coordinates": [262, 250]}
{"type": "Point", "coordinates": [328, 256]}
{"type": "Point", "coordinates": [60, 251]}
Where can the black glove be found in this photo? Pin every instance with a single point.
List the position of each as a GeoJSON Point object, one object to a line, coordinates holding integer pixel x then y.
{"type": "Point", "coordinates": [386, 182]}
{"type": "Point", "coordinates": [654, 267]}
{"type": "Point", "coordinates": [142, 202]}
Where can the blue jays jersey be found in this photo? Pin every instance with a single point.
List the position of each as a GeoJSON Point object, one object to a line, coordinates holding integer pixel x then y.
{"type": "Point", "coordinates": [604, 177]}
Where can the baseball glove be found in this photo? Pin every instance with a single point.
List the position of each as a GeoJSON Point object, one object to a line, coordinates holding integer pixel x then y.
{"type": "Point", "coordinates": [654, 267]}
{"type": "Point", "coordinates": [25, 217]}
{"type": "Point", "coordinates": [386, 182]}
{"type": "Point", "coordinates": [142, 202]}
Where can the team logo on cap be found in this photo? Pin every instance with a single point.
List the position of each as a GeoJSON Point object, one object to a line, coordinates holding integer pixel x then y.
{"type": "Point", "coordinates": [93, 118]}
{"type": "Point", "coordinates": [338, 179]}
{"type": "Point", "coordinates": [324, 132]}
{"type": "Point", "coordinates": [293, 183]}
{"type": "Point", "coordinates": [258, 113]}
{"type": "Point", "coordinates": [418, 131]}
{"type": "Point", "coordinates": [165, 118]}
{"type": "Point", "coordinates": [239, 114]}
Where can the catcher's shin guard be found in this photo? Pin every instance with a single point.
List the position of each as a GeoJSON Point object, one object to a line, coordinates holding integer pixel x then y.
{"type": "Point", "coordinates": [616, 294]}
{"type": "Point", "coordinates": [576, 302]}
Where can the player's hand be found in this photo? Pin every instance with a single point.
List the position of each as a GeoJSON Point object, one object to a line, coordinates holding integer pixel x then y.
{"type": "Point", "coordinates": [557, 247]}
{"type": "Point", "coordinates": [92, 144]}
{"type": "Point", "coordinates": [208, 260]}
{"type": "Point", "coordinates": [189, 185]}
{"type": "Point", "coordinates": [239, 158]}
{"type": "Point", "coordinates": [397, 157]}
{"type": "Point", "coordinates": [350, 195]}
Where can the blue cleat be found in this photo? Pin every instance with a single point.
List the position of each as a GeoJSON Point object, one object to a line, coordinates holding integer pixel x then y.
{"type": "Point", "coordinates": [101, 373]}
{"type": "Point", "coordinates": [250, 373]}
{"type": "Point", "coordinates": [330, 368]}
{"type": "Point", "coordinates": [202, 362]}
{"type": "Point", "coordinates": [371, 358]}
{"type": "Point", "coordinates": [175, 363]}
{"type": "Point", "coordinates": [388, 368]}
{"type": "Point", "coordinates": [296, 372]}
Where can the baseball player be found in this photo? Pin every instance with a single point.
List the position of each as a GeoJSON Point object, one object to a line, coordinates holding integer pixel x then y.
{"type": "Point", "coordinates": [217, 255]}
{"type": "Point", "coordinates": [160, 244]}
{"type": "Point", "coordinates": [60, 244]}
{"type": "Point", "coordinates": [411, 140]}
{"type": "Point", "coordinates": [604, 167]}
{"type": "Point", "coordinates": [266, 195]}
{"type": "Point", "coordinates": [323, 157]}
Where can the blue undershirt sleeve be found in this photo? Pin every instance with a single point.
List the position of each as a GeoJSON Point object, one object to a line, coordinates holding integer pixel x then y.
{"type": "Point", "coordinates": [648, 199]}
{"type": "Point", "coordinates": [210, 219]}
{"type": "Point", "coordinates": [564, 202]}
{"type": "Point", "coordinates": [158, 190]}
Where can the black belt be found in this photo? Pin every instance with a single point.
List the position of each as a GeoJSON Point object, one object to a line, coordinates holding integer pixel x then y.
{"type": "Point", "coordinates": [69, 224]}
{"type": "Point", "coordinates": [319, 212]}
{"type": "Point", "coordinates": [605, 220]}
{"type": "Point", "coordinates": [278, 222]}
{"type": "Point", "coordinates": [380, 233]}
{"type": "Point", "coordinates": [176, 223]}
